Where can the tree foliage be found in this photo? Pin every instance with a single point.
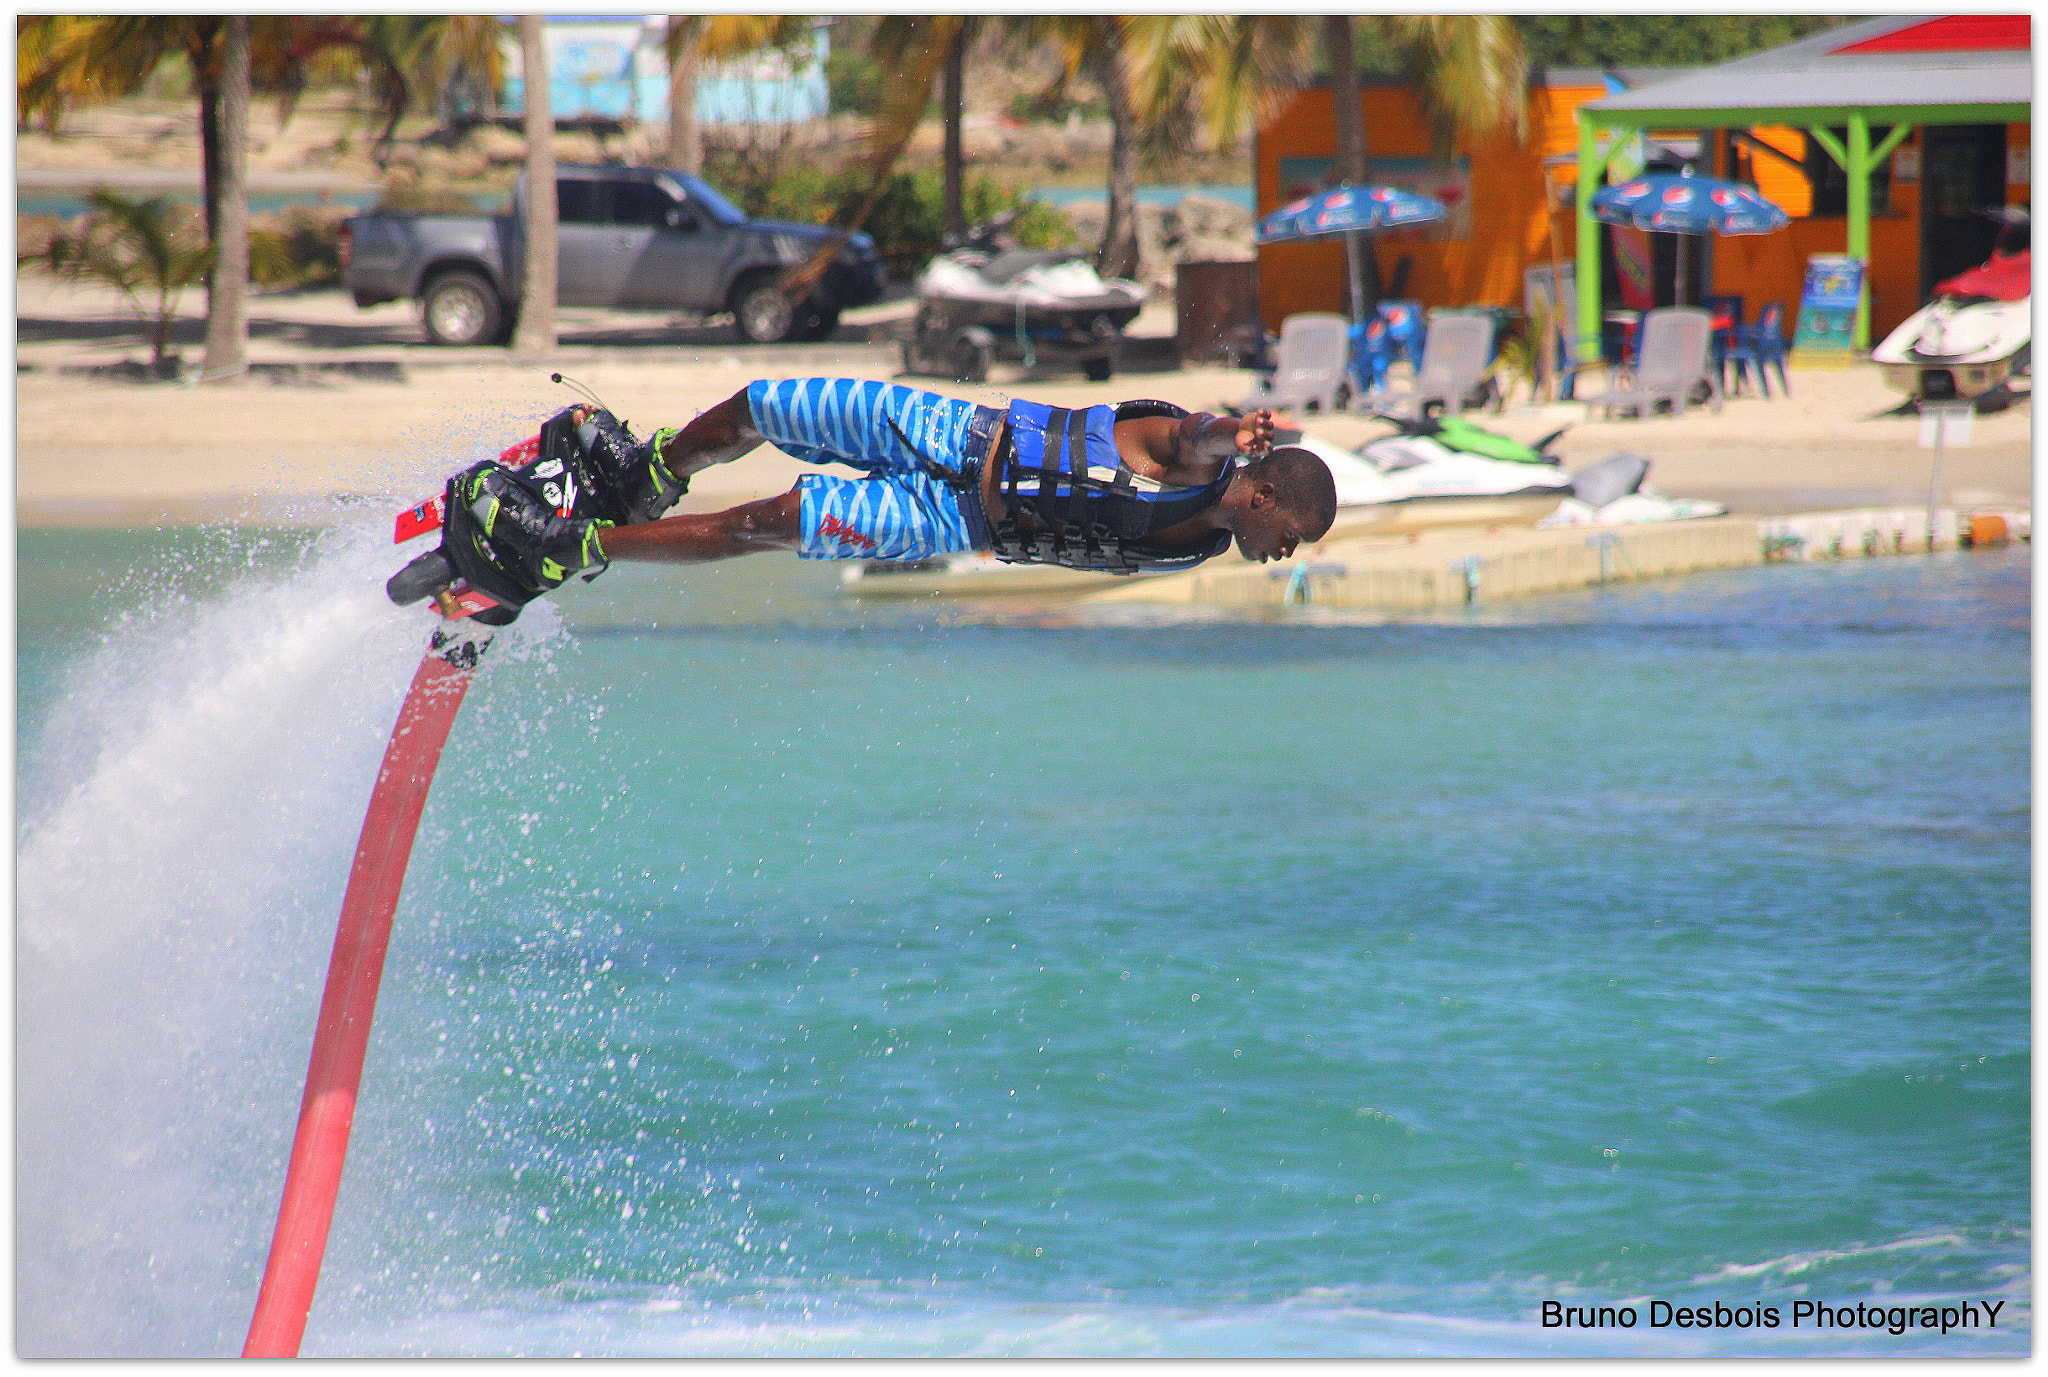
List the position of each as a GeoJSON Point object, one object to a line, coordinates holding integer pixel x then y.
{"type": "Point", "coordinates": [150, 251]}
{"type": "Point", "coordinates": [908, 217]}
{"type": "Point", "coordinates": [1660, 40]}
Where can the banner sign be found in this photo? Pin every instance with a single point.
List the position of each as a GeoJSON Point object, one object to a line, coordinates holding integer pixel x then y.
{"type": "Point", "coordinates": [1827, 310]}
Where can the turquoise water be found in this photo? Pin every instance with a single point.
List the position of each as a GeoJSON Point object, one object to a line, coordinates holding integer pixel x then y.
{"type": "Point", "coordinates": [1150, 194]}
{"type": "Point", "coordinates": [68, 205]}
{"type": "Point", "coordinates": [779, 975]}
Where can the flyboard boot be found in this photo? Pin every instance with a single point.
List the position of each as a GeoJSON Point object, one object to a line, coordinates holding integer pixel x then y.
{"type": "Point", "coordinates": [516, 527]}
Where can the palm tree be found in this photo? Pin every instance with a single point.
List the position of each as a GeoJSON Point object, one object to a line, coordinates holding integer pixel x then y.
{"type": "Point", "coordinates": [922, 48]}
{"type": "Point", "coordinates": [436, 58]}
{"type": "Point", "coordinates": [1237, 68]}
{"type": "Point", "coordinates": [925, 48]}
{"type": "Point", "coordinates": [1098, 44]}
{"type": "Point", "coordinates": [694, 39]}
{"type": "Point", "coordinates": [227, 316]}
{"type": "Point", "coordinates": [63, 60]}
{"type": "Point", "coordinates": [68, 59]}
{"type": "Point", "coordinates": [953, 102]}
{"type": "Point", "coordinates": [536, 332]}
{"type": "Point", "coordinates": [136, 248]}
{"type": "Point", "coordinates": [1469, 74]}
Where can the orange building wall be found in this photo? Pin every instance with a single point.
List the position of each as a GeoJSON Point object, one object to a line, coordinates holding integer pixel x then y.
{"type": "Point", "coordinates": [1509, 232]}
{"type": "Point", "coordinates": [1508, 229]}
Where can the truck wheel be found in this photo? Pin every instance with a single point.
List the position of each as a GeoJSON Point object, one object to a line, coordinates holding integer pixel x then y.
{"type": "Point", "coordinates": [461, 308]}
{"type": "Point", "coordinates": [761, 314]}
{"type": "Point", "coordinates": [1098, 370]}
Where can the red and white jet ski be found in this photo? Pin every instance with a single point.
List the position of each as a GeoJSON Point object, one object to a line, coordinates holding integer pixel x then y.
{"type": "Point", "coordinates": [1977, 333]}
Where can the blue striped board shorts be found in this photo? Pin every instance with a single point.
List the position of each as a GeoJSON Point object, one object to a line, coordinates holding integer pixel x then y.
{"type": "Point", "coordinates": [899, 511]}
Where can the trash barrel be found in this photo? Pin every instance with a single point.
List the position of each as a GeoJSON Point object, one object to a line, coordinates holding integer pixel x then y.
{"type": "Point", "coordinates": [1216, 305]}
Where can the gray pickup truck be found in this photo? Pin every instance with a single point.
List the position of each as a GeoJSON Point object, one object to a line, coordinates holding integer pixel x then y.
{"type": "Point", "coordinates": [626, 237]}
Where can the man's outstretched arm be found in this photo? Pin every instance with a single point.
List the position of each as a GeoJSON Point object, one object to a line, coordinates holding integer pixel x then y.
{"type": "Point", "coordinates": [701, 537]}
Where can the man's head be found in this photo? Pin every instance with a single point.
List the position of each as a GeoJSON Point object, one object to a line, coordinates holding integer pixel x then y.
{"type": "Point", "coordinates": [1277, 502]}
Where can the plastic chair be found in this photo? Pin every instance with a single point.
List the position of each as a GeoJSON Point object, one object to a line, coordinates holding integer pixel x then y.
{"type": "Point", "coordinates": [1766, 343]}
{"type": "Point", "coordinates": [1457, 357]}
{"type": "Point", "coordinates": [1731, 344]}
{"type": "Point", "coordinates": [1395, 330]}
{"type": "Point", "coordinates": [1726, 310]}
{"type": "Point", "coordinates": [1672, 358]}
{"type": "Point", "coordinates": [1314, 353]}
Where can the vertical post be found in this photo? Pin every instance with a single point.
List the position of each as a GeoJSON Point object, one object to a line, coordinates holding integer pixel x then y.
{"type": "Point", "coordinates": [1591, 165]}
{"type": "Point", "coordinates": [1353, 270]}
{"type": "Point", "coordinates": [685, 139]}
{"type": "Point", "coordinates": [1859, 219]}
{"type": "Point", "coordinates": [227, 296]}
{"type": "Point", "coordinates": [953, 161]}
{"type": "Point", "coordinates": [1934, 479]}
{"type": "Point", "coordinates": [536, 333]}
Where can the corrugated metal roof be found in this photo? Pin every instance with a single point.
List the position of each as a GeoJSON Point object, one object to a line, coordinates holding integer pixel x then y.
{"type": "Point", "coordinates": [1812, 73]}
{"type": "Point", "coordinates": [1950, 33]}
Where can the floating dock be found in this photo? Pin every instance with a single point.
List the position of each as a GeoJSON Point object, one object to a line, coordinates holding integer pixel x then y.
{"type": "Point", "coordinates": [1364, 564]}
{"type": "Point", "coordinates": [1437, 570]}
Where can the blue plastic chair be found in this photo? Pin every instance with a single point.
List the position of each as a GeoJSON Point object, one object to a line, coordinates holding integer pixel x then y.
{"type": "Point", "coordinates": [1395, 328]}
{"type": "Point", "coordinates": [1731, 344]}
{"type": "Point", "coordinates": [1765, 341]}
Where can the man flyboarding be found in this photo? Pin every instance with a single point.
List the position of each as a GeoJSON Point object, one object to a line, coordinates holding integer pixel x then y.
{"type": "Point", "coordinates": [1120, 489]}
{"type": "Point", "coordinates": [1140, 486]}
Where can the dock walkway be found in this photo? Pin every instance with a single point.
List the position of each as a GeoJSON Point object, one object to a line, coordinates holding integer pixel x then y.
{"type": "Point", "coordinates": [1436, 570]}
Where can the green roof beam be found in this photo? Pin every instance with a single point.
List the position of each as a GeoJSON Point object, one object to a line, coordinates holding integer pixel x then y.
{"type": "Point", "coordinates": [1891, 141]}
{"type": "Point", "coordinates": [1858, 166]}
{"type": "Point", "coordinates": [1592, 169]}
{"type": "Point", "coordinates": [1825, 137]}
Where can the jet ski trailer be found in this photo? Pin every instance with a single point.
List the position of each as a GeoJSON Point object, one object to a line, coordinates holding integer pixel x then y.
{"type": "Point", "coordinates": [987, 299]}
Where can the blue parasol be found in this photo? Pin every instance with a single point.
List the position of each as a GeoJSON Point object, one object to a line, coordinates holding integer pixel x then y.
{"type": "Point", "coordinates": [1350, 211]}
{"type": "Point", "coordinates": [1686, 204]}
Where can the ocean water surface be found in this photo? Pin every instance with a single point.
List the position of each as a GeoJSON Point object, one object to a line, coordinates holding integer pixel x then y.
{"type": "Point", "coordinates": [782, 975]}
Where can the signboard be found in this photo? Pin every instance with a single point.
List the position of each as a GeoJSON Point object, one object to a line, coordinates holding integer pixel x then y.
{"type": "Point", "coordinates": [1827, 310]}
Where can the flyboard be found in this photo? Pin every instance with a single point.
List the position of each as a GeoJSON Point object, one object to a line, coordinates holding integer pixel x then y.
{"type": "Point", "coordinates": [341, 1037]}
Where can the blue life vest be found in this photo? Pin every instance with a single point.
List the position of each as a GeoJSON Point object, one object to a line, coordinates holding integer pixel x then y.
{"type": "Point", "coordinates": [1073, 501]}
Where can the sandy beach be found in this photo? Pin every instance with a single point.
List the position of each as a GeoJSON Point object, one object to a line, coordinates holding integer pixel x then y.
{"type": "Point", "coordinates": [95, 451]}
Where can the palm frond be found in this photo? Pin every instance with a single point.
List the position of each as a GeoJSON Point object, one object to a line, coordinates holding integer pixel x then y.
{"type": "Point", "coordinates": [913, 46]}
{"type": "Point", "coordinates": [1470, 73]}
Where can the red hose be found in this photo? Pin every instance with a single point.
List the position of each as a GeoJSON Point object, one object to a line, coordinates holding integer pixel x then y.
{"type": "Point", "coordinates": [342, 1038]}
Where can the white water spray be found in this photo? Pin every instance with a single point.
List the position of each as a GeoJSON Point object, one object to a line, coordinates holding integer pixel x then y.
{"type": "Point", "coordinates": [177, 882]}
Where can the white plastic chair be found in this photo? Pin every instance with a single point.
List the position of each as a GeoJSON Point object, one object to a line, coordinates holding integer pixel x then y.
{"type": "Point", "coordinates": [1458, 354]}
{"type": "Point", "coordinates": [1673, 358]}
{"type": "Point", "coordinates": [1314, 349]}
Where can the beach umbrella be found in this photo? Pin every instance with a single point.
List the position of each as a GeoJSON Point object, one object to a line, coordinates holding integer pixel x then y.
{"type": "Point", "coordinates": [1349, 211]}
{"type": "Point", "coordinates": [1686, 204]}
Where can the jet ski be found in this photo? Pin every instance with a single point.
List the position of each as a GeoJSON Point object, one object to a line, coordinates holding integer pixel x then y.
{"type": "Point", "coordinates": [1611, 493]}
{"type": "Point", "coordinates": [1440, 471]}
{"type": "Point", "coordinates": [988, 299]}
{"type": "Point", "coordinates": [1977, 333]}
{"type": "Point", "coordinates": [1446, 471]}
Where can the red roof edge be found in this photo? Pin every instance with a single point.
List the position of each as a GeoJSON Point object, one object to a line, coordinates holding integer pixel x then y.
{"type": "Point", "coordinates": [1953, 33]}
